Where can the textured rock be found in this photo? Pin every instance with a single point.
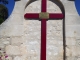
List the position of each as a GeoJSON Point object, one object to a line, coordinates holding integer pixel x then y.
{"type": "Point", "coordinates": [17, 40]}
{"type": "Point", "coordinates": [72, 31]}
{"type": "Point", "coordinates": [23, 49]}
{"type": "Point", "coordinates": [13, 30]}
{"type": "Point", "coordinates": [5, 40]}
{"type": "Point", "coordinates": [70, 8]}
{"type": "Point", "coordinates": [54, 50]}
{"type": "Point", "coordinates": [70, 41]}
{"type": "Point", "coordinates": [12, 50]}
{"type": "Point", "coordinates": [71, 51]}
{"type": "Point", "coordinates": [68, 53]}
{"type": "Point", "coordinates": [72, 20]}
{"type": "Point", "coordinates": [2, 46]}
{"type": "Point", "coordinates": [9, 58]}
{"type": "Point", "coordinates": [17, 58]}
{"type": "Point", "coordinates": [21, 38]}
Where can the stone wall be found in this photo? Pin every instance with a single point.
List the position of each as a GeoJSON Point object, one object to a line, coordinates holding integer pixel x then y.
{"type": "Point", "coordinates": [20, 38]}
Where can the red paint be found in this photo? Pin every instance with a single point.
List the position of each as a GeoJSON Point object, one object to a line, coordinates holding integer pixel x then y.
{"type": "Point", "coordinates": [43, 31]}
{"type": "Point", "coordinates": [43, 5]}
{"type": "Point", "coordinates": [31, 15]}
{"type": "Point", "coordinates": [56, 16]}
{"type": "Point", "coordinates": [43, 39]}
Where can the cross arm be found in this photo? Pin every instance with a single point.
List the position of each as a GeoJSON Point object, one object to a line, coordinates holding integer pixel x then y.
{"type": "Point", "coordinates": [56, 16]}
{"type": "Point", "coordinates": [31, 16]}
{"type": "Point", "coordinates": [37, 16]}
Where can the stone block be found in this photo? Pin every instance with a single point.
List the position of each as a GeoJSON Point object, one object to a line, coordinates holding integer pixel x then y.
{"type": "Point", "coordinates": [5, 40]}
{"type": "Point", "coordinates": [32, 57]}
{"type": "Point", "coordinates": [70, 41]}
{"type": "Point", "coordinates": [70, 8]}
{"type": "Point", "coordinates": [72, 20]}
{"type": "Point", "coordinates": [32, 26]}
{"type": "Point", "coordinates": [17, 40]}
{"type": "Point", "coordinates": [71, 51]}
{"type": "Point", "coordinates": [52, 50]}
{"type": "Point", "coordinates": [12, 50]}
{"type": "Point", "coordinates": [51, 7]}
{"type": "Point", "coordinates": [53, 34]}
{"type": "Point", "coordinates": [55, 41]}
{"type": "Point", "coordinates": [30, 48]}
{"type": "Point", "coordinates": [72, 31]}
{"type": "Point", "coordinates": [23, 49]}
{"type": "Point", "coordinates": [68, 52]}
{"type": "Point", "coordinates": [74, 51]}
{"type": "Point", "coordinates": [71, 58]}
{"type": "Point", "coordinates": [78, 57]}
{"type": "Point", "coordinates": [60, 58]}
{"type": "Point", "coordinates": [52, 57]}
{"type": "Point", "coordinates": [17, 58]}
{"type": "Point", "coordinates": [35, 7]}
{"type": "Point", "coordinates": [64, 1]}
{"type": "Point", "coordinates": [20, 4]}
{"type": "Point", "coordinates": [77, 51]}
{"type": "Point", "coordinates": [14, 19]}
{"type": "Point", "coordinates": [9, 58]}
{"type": "Point", "coordinates": [52, 42]}
{"type": "Point", "coordinates": [31, 30]}
{"type": "Point", "coordinates": [12, 30]}
{"type": "Point", "coordinates": [61, 51]}
{"type": "Point", "coordinates": [54, 25]}
{"type": "Point", "coordinates": [78, 41]}
{"type": "Point", "coordinates": [2, 46]}
{"type": "Point", "coordinates": [18, 10]}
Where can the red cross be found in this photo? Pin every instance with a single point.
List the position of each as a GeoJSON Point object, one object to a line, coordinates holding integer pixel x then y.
{"type": "Point", "coordinates": [43, 25]}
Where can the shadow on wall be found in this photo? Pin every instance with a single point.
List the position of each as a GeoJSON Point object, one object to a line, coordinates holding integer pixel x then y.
{"type": "Point", "coordinates": [3, 13]}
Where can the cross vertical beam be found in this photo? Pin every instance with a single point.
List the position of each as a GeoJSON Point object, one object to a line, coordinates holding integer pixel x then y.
{"type": "Point", "coordinates": [43, 31]}
{"type": "Point", "coordinates": [43, 40]}
{"type": "Point", "coordinates": [43, 5]}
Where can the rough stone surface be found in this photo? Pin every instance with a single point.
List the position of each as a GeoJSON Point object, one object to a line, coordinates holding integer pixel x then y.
{"type": "Point", "coordinates": [12, 50]}
{"type": "Point", "coordinates": [9, 58]}
{"type": "Point", "coordinates": [20, 37]}
{"type": "Point", "coordinates": [17, 40]}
